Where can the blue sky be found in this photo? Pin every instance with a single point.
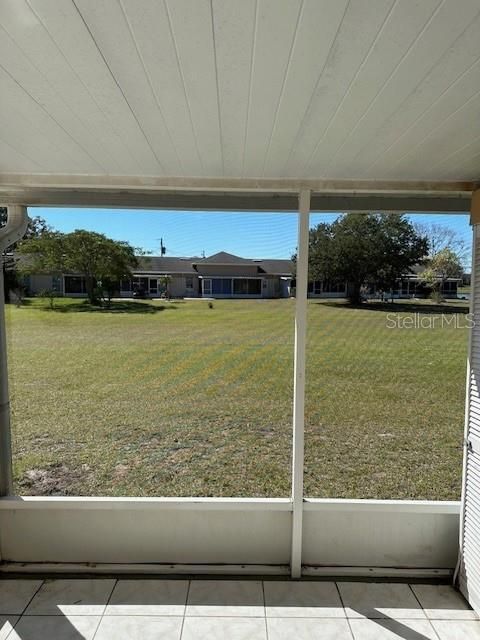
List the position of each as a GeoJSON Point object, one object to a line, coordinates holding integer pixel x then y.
{"type": "Point", "coordinates": [252, 235]}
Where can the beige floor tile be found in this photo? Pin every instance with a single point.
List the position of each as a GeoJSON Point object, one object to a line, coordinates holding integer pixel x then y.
{"type": "Point", "coordinates": [308, 629]}
{"type": "Point", "coordinates": [84, 597]}
{"type": "Point", "coordinates": [442, 602]}
{"type": "Point", "coordinates": [6, 625]}
{"type": "Point", "coordinates": [148, 597]}
{"type": "Point", "coordinates": [211, 628]}
{"type": "Point", "coordinates": [16, 594]}
{"type": "Point", "coordinates": [286, 599]}
{"type": "Point", "coordinates": [225, 598]}
{"type": "Point", "coordinates": [379, 600]}
{"type": "Point", "coordinates": [55, 628]}
{"type": "Point", "coordinates": [140, 628]}
{"type": "Point", "coordinates": [457, 629]}
{"type": "Point", "coordinates": [392, 630]}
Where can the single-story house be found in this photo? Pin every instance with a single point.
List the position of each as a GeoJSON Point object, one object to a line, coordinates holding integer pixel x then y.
{"type": "Point", "coordinates": [409, 285]}
{"type": "Point", "coordinates": [221, 275]}
{"type": "Point", "coordinates": [224, 275]}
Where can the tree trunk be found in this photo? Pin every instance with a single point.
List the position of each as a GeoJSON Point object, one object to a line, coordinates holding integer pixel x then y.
{"type": "Point", "coordinates": [90, 286]}
{"type": "Point", "coordinates": [354, 289]}
{"type": "Point", "coordinates": [4, 276]}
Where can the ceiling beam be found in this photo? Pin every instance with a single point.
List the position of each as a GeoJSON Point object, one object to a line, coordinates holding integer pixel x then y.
{"type": "Point", "coordinates": [222, 194]}
{"type": "Point", "coordinates": [201, 201]}
{"type": "Point", "coordinates": [268, 185]}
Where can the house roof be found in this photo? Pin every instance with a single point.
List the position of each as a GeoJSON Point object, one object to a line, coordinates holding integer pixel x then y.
{"type": "Point", "coordinates": [276, 267]}
{"type": "Point", "coordinates": [417, 270]}
{"type": "Point", "coordinates": [165, 265]}
{"type": "Point", "coordinates": [223, 258]}
{"type": "Point", "coordinates": [183, 265]}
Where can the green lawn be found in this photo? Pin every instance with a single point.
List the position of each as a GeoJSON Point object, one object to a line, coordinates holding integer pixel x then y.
{"type": "Point", "coordinates": [154, 399]}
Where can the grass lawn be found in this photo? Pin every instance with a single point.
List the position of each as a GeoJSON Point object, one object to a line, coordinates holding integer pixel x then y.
{"type": "Point", "coordinates": [153, 399]}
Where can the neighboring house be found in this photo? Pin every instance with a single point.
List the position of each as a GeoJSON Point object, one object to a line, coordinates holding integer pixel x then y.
{"type": "Point", "coordinates": [221, 275]}
{"type": "Point", "coordinates": [224, 275]}
{"type": "Point", "coordinates": [412, 285]}
{"type": "Point", "coordinates": [409, 286]}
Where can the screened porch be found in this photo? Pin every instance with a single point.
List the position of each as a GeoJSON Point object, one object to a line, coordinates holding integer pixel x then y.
{"type": "Point", "coordinates": [298, 107]}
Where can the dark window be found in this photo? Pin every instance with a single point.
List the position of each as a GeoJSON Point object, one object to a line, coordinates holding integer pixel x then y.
{"type": "Point", "coordinates": [125, 285]}
{"type": "Point", "coordinates": [449, 287]}
{"type": "Point", "coordinates": [189, 282]}
{"type": "Point", "coordinates": [221, 286]}
{"type": "Point", "coordinates": [75, 284]}
{"type": "Point", "coordinates": [247, 287]}
{"type": "Point", "coordinates": [240, 287]}
{"type": "Point", "coordinates": [140, 284]}
{"type": "Point", "coordinates": [333, 287]}
{"type": "Point", "coordinates": [56, 284]}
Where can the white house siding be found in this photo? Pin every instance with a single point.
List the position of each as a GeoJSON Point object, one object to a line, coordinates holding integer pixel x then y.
{"type": "Point", "coordinates": [38, 283]}
{"type": "Point", "coordinates": [178, 288]}
{"type": "Point", "coordinates": [273, 287]}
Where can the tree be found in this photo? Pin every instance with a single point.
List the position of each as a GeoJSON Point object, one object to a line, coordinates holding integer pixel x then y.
{"type": "Point", "coordinates": [443, 265]}
{"type": "Point", "coordinates": [440, 237]}
{"type": "Point", "coordinates": [36, 227]}
{"type": "Point", "coordinates": [165, 285]}
{"type": "Point", "coordinates": [360, 248]}
{"type": "Point", "coordinates": [100, 260]}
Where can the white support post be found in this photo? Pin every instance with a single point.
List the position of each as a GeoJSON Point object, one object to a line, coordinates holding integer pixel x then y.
{"type": "Point", "coordinates": [467, 405]}
{"type": "Point", "coordinates": [15, 228]}
{"type": "Point", "coordinates": [299, 383]}
{"type": "Point", "coordinates": [475, 223]}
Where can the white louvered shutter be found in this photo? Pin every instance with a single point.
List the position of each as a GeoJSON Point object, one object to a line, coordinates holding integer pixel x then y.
{"type": "Point", "coordinates": [469, 574]}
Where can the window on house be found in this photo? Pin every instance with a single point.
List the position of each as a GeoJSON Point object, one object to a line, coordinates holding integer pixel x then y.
{"type": "Point", "coordinates": [221, 286]}
{"type": "Point", "coordinates": [140, 284]}
{"type": "Point", "coordinates": [207, 287]}
{"type": "Point", "coordinates": [247, 286]}
{"type": "Point", "coordinates": [125, 285]}
{"type": "Point", "coordinates": [189, 282]}
{"type": "Point", "coordinates": [331, 286]}
{"type": "Point", "coordinates": [75, 285]}
{"type": "Point", "coordinates": [56, 284]}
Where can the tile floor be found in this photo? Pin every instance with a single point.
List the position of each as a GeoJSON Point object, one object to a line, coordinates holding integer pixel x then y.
{"type": "Point", "coordinates": [169, 609]}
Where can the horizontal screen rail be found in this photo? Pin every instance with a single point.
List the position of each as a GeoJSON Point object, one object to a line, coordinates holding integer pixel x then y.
{"type": "Point", "coordinates": [229, 504]}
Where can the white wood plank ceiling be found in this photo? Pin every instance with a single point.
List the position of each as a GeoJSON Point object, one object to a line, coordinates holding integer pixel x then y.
{"type": "Point", "coordinates": [321, 89]}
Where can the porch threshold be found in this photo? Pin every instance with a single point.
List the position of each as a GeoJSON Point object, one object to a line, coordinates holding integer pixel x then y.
{"type": "Point", "coordinates": [230, 570]}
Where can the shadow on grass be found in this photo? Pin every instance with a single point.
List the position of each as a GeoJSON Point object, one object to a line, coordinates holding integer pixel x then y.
{"type": "Point", "coordinates": [425, 308]}
{"type": "Point", "coordinates": [128, 307]}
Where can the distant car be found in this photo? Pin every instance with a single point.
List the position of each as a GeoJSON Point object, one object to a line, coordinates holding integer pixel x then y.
{"type": "Point", "coordinates": [140, 293]}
